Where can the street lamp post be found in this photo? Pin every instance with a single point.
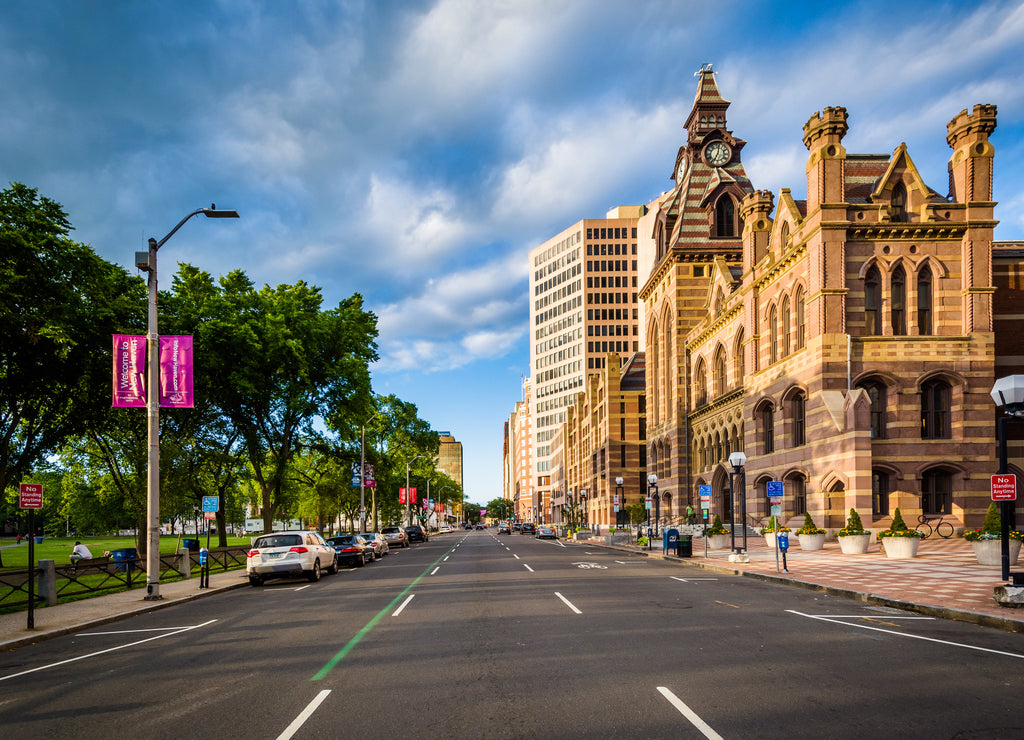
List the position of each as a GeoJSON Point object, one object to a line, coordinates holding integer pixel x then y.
{"type": "Point", "coordinates": [738, 460]}
{"type": "Point", "coordinates": [584, 512]}
{"type": "Point", "coordinates": [620, 502]}
{"type": "Point", "coordinates": [408, 516]}
{"type": "Point", "coordinates": [362, 473]}
{"type": "Point", "coordinates": [1008, 393]}
{"type": "Point", "coordinates": [147, 261]}
{"type": "Point", "coordinates": [652, 492]}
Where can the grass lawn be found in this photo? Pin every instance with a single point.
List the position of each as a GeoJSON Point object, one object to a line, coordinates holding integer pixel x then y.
{"type": "Point", "coordinates": [59, 549]}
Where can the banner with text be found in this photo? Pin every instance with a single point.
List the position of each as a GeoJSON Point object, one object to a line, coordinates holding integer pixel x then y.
{"type": "Point", "coordinates": [401, 496]}
{"type": "Point", "coordinates": [176, 372]}
{"type": "Point", "coordinates": [129, 371]}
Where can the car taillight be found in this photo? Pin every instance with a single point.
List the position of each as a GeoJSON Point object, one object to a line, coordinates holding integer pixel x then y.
{"type": "Point", "coordinates": [252, 553]}
{"type": "Point", "coordinates": [351, 549]}
{"type": "Point", "coordinates": [298, 549]}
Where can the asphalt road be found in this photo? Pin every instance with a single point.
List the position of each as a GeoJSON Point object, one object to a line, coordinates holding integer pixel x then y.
{"type": "Point", "coordinates": [472, 635]}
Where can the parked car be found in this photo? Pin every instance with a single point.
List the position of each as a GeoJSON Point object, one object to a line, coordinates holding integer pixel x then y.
{"type": "Point", "coordinates": [395, 536]}
{"type": "Point", "coordinates": [446, 529]}
{"type": "Point", "coordinates": [504, 529]}
{"type": "Point", "coordinates": [528, 528]}
{"type": "Point", "coordinates": [289, 554]}
{"type": "Point", "coordinates": [378, 542]}
{"type": "Point", "coordinates": [545, 532]}
{"type": "Point", "coordinates": [516, 527]}
{"type": "Point", "coordinates": [417, 533]}
{"type": "Point", "coordinates": [351, 548]}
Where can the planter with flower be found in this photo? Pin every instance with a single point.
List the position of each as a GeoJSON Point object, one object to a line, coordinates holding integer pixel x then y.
{"type": "Point", "coordinates": [717, 535]}
{"type": "Point", "coordinates": [770, 529]}
{"type": "Point", "coordinates": [899, 541]}
{"type": "Point", "coordinates": [811, 537]}
{"type": "Point", "coordinates": [987, 542]}
{"type": "Point", "coordinates": [853, 538]}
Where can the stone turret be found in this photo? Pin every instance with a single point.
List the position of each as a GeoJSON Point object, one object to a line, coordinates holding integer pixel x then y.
{"type": "Point", "coordinates": [823, 136]}
{"type": "Point", "coordinates": [970, 167]}
{"type": "Point", "coordinates": [755, 210]}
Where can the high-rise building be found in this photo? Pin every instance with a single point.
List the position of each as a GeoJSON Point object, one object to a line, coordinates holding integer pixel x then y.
{"type": "Point", "coordinates": [583, 305]}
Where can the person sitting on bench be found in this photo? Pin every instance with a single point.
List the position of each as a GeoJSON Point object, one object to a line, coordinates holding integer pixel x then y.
{"type": "Point", "coordinates": [81, 552]}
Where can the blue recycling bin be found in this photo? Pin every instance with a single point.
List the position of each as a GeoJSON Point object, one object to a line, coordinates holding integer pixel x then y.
{"type": "Point", "coordinates": [124, 559]}
{"type": "Point", "coordinates": [669, 538]}
{"type": "Point", "coordinates": [192, 545]}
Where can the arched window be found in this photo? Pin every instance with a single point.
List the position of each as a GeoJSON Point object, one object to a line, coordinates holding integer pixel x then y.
{"type": "Point", "coordinates": [784, 235]}
{"type": "Point", "coordinates": [937, 492]}
{"type": "Point", "coordinates": [718, 447]}
{"type": "Point", "coordinates": [801, 319]}
{"type": "Point", "coordinates": [701, 389]}
{"type": "Point", "coordinates": [872, 302]}
{"type": "Point", "coordinates": [766, 416]}
{"type": "Point", "coordinates": [798, 413]}
{"type": "Point", "coordinates": [773, 331]}
{"type": "Point", "coordinates": [786, 327]}
{"type": "Point", "coordinates": [924, 301]}
{"type": "Point", "coordinates": [725, 217]}
{"type": "Point", "coordinates": [877, 398]}
{"type": "Point", "coordinates": [935, 410]}
{"type": "Point", "coordinates": [879, 493]}
{"type": "Point", "coordinates": [719, 372]}
{"type": "Point", "coordinates": [798, 492]}
{"type": "Point", "coordinates": [899, 203]}
{"type": "Point", "coordinates": [741, 367]}
{"type": "Point", "coordinates": [899, 302]}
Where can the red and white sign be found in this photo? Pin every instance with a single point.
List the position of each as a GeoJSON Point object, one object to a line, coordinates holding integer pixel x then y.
{"type": "Point", "coordinates": [31, 496]}
{"type": "Point", "coordinates": [209, 515]}
{"type": "Point", "coordinates": [401, 496]}
{"type": "Point", "coordinates": [1004, 487]}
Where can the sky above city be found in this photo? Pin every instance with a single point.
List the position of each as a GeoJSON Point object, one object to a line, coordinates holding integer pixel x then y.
{"type": "Point", "coordinates": [414, 152]}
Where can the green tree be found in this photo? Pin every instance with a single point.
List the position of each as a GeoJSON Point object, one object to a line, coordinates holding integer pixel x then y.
{"type": "Point", "coordinates": [500, 507]}
{"type": "Point", "coordinates": [59, 305]}
{"type": "Point", "coordinates": [281, 364]}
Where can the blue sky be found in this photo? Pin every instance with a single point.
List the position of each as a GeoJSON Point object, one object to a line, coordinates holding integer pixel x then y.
{"type": "Point", "coordinates": [416, 151]}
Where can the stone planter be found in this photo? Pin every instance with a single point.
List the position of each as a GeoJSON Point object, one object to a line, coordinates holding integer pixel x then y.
{"type": "Point", "coordinates": [811, 541]}
{"type": "Point", "coordinates": [990, 552]}
{"type": "Point", "coordinates": [900, 548]}
{"type": "Point", "coordinates": [854, 544]}
{"type": "Point", "coordinates": [719, 541]}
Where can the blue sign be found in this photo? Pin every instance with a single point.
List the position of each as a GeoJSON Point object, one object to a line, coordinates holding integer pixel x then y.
{"type": "Point", "coordinates": [774, 489]}
{"type": "Point", "coordinates": [704, 490]}
{"type": "Point", "coordinates": [357, 477]}
{"type": "Point", "coordinates": [211, 503]}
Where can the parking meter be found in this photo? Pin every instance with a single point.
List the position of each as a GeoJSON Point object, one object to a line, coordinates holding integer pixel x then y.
{"type": "Point", "coordinates": [203, 555]}
{"type": "Point", "coordinates": [782, 538]}
{"type": "Point", "coordinates": [204, 567]}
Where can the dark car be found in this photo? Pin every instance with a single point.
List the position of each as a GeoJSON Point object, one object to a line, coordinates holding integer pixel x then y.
{"type": "Point", "coordinates": [417, 533]}
{"type": "Point", "coordinates": [351, 548]}
{"type": "Point", "coordinates": [528, 528]}
{"type": "Point", "coordinates": [504, 529]}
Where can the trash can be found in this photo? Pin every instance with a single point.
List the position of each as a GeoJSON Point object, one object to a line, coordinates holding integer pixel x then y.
{"type": "Point", "coordinates": [190, 545]}
{"type": "Point", "coordinates": [39, 540]}
{"type": "Point", "coordinates": [669, 538]}
{"type": "Point", "coordinates": [684, 547]}
{"type": "Point", "coordinates": [124, 559]}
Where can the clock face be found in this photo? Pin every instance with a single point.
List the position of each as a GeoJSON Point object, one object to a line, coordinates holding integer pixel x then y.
{"type": "Point", "coordinates": [681, 170]}
{"type": "Point", "coordinates": [716, 153]}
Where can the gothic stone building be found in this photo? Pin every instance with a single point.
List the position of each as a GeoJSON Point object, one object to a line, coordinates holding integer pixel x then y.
{"type": "Point", "coordinates": [846, 342]}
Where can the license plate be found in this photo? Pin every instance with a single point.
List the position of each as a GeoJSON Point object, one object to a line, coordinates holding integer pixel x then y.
{"type": "Point", "coordinates": [272, 555]}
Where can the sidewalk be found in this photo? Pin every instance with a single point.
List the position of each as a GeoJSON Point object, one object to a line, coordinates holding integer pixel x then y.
{"type": "Point", "coordinates": [52, 621]}
{"type": "Point", "coordinates": [944, 580]}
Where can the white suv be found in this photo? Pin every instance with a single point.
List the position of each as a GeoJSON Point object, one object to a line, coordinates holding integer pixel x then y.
{"type": "Point", "coordinates": [289, 554]}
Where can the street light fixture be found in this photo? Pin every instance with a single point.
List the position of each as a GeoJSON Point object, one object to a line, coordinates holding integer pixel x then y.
{"type": "Point", "coordinates": [362, 473]}
{"type": "Point", "coordinates": [147, 261]}
{"type": "Point", "coordinates": [408, 516]}
{"type": "Point", "coordinates": [652, 492]}
{"type": "Point", "coordinates": [1008, 393]}
{"type": "Point", "coordinates": [738, 460]}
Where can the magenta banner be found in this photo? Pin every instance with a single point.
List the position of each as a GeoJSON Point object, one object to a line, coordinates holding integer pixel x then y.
{"type": "Point", "coordinates": [176, 372]}
{"type": "Point", "coordinates": [129, 371]}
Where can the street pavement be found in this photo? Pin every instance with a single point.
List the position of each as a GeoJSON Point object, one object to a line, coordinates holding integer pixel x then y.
{"type": "Point", "coordinates": [944, 580]}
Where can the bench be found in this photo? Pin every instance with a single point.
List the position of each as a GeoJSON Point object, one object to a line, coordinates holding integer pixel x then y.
{"type": "Point", "coordinates": [94, 562]}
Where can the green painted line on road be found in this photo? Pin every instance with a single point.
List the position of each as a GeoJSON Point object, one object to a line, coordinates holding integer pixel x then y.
{"type": "Point", "coordinates": [322, 673]}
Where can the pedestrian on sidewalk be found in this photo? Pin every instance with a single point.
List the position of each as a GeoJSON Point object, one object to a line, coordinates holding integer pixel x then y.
{"type": "Point", "coordinates": [17, 540]}
{"type": "Point", "coordinates": [690, 518]}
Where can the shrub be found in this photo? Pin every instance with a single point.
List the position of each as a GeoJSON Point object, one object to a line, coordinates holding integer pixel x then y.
{"type": "Point", "coordinates": [853, 525]}
{"type": "Point", "coordinates": [772, 528]}
{"type": "Point", "coordinates": [898, 528]}
{"type": "Point", "coordinates": [717, 527]}
{"type": "Point", "coordinates": [809, 526]}
{"type": "Point", "coordinates": [991, 528]}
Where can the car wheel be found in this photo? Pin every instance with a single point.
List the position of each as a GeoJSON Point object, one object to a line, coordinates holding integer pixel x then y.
{"type": "Point", "coordinates": [333, 567]}
{"type": "Point", "coordinates": [361, 560]}
{"type": "Point", "coordinates": [255, 581]}
{"type": "Point", "coordinates": [314, 575]}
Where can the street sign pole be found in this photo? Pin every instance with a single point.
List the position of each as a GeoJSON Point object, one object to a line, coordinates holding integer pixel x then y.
{"type": "Point", "coordinates": [31, 498]}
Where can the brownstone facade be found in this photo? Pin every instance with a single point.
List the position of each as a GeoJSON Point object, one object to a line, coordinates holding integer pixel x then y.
{"type": "Point", "coordinates": [846, 343]}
